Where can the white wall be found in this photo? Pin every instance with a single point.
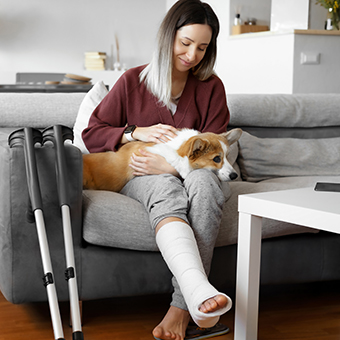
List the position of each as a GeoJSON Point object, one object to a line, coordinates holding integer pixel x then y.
{"type": "Point", "coordinates": [45, 36]}
{"type": "Point", "coordinates": [271, 63]}
{"type": "Point", "coordinates": [261, 64]}
{"type": "Point", "coordinates": [52, 36]}
{"type": "Point", "coordinates": [222, 10]}
{"type": "Point", "coordinates": [323, 77]}
{"type": "Point", "coordinates": [317, 16]}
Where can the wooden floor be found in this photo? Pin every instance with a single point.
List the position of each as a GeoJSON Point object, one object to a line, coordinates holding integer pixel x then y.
{"type": "Point", "coordinates": [302, 312]}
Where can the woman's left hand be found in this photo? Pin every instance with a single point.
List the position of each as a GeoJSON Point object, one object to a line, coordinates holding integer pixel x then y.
{"type": "Point", "coordinates": [150, 164]}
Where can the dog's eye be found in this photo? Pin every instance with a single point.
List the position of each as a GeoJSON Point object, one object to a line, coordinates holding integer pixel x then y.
{"type": "Point", "coordinates": [217, 159]}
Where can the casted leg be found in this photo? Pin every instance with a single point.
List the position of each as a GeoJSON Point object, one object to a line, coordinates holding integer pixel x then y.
{"type": "Point", "coordinates": [164, 196]}
{"type": "Point", "coordinates": [206, 201]}
{"type": "Point", "coordinates": [178, 246]}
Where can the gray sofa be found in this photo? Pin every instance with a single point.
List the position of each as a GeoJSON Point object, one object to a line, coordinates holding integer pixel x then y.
{"type": "Point", "coordinates": [290, 141]}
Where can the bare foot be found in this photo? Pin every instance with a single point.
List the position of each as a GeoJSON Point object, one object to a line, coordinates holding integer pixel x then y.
{"type": "Point", "coordinates": [173, 325]}
{"type": "Point", "coordinates": [213, 304]}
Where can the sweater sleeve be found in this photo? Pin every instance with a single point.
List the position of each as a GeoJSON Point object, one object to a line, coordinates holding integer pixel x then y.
{"type": "Point", "coordinates": [107, 122]}
{"type": "Point", "coordinates": [218, 116]}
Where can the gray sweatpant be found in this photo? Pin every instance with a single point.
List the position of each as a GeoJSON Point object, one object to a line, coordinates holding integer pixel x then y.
{"type": "Point", "coordinates": [198, 200]}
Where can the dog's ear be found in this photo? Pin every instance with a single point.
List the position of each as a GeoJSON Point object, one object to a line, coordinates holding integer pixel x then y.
{"type": "Point", "coordinates": [194, 147]}
{"type": "Point", "coordinates": [199, 145]}
{"type": "Point", "coordinates": [232, 136]}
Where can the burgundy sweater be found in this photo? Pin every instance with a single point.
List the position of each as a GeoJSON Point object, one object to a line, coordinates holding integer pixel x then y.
{"type": "Point", "coordinates": [202, 107]}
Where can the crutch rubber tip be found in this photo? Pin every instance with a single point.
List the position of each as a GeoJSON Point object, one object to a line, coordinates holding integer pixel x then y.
{"type": "Point", "coordinates": [78, 336]}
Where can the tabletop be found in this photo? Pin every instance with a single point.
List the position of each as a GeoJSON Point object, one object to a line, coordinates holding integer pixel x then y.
{"type": "Point", "coordinates": [303, 206]}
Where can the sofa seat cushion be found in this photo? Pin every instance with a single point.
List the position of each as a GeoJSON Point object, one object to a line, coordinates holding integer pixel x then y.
{"type": "Point", "coordinates": [114, 220]}
{"type": "Point", "coordinates": [271, 228]}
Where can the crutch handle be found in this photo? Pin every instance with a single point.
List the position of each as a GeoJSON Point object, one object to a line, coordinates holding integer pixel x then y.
{"type": "Point", "coordinates": [28, 137]}
{"type": "Point", "coordinates": [58, 134]}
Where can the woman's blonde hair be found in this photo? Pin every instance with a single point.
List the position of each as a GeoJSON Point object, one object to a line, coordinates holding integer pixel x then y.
{"type": "Point", "coordinates": [158, 74]}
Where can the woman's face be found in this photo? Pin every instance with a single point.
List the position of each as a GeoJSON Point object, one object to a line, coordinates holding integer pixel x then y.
{"type": "Point", "coordinates": [190, 45]}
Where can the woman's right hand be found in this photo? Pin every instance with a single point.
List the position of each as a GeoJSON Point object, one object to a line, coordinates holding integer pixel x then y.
{"type": "Point", "coordinates": [159, 133]}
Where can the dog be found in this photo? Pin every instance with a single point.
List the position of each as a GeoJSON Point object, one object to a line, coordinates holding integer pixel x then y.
{"type": "Point", "coordinates": [188, 151]}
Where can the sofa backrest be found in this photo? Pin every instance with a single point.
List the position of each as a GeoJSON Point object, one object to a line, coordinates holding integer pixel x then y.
{"type": "Point", "coordinates": [286, 115]}
{"type": "Point", "coordinates": [39, 110]}
{"type": "Point", "coordinates": [262, 115]}
{"type": "Point", "coordinates": [288, 135]}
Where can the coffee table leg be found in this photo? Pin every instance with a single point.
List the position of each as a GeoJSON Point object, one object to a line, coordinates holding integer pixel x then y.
{"type": "Point", "coordinates": [248, 277]}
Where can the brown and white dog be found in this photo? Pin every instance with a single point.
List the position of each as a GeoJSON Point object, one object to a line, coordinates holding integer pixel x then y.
{"type": "Point", "coordinates": [188, 151]}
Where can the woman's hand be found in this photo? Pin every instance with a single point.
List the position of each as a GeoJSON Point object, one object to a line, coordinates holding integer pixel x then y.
{"type": "Point", "coordinates": [150, 164]}
{"type": "Point", "coordinates": [159, 133]}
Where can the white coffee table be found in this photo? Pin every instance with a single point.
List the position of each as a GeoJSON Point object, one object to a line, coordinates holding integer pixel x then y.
{"type": "Point", "coordinates": [306, 207]}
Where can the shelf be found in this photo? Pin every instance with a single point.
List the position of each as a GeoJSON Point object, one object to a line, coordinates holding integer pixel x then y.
{"type": "Point", "coordinates": [317, 32]}
{"type": "Point", "coordinates": [279, 33]}
{"type": "Point", "coordinates": [243, 29]}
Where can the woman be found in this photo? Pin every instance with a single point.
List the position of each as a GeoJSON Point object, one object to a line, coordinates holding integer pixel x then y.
{"type": "Point", "coordinates": [149, 103]}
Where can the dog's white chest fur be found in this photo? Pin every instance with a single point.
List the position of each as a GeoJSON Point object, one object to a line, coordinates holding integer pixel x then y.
{"type": "Point", "coordinates": [169, 151]}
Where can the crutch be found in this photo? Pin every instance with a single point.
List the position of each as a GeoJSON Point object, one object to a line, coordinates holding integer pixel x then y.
{"type": "Point", "coordinates": [28, 137]}
{"type": "Point", "coordinates": [58, 134]}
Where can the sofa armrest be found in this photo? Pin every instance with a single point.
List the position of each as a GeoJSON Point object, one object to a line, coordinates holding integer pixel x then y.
{"type": "Point", "coordinates": [20, 260]}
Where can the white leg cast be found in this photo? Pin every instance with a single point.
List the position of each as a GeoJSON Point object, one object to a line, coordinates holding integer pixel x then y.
{"type": "Point", "coordinates": [177, 243]}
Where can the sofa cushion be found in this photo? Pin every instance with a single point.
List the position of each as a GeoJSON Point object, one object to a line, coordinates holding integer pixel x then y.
{"type": "Point", "coordinates": [89, 103]}
{"type": "Point", "coordinates": [115, 220]}
{"type": "Point", "coordinates": [263, 158]}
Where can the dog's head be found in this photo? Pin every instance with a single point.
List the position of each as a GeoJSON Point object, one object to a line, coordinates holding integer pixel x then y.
{"type": "Point", "coordinates": [210, 151]}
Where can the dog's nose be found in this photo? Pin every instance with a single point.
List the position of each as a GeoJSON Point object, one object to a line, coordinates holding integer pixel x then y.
{"type": "Point", "coordinates": [233, 176]}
